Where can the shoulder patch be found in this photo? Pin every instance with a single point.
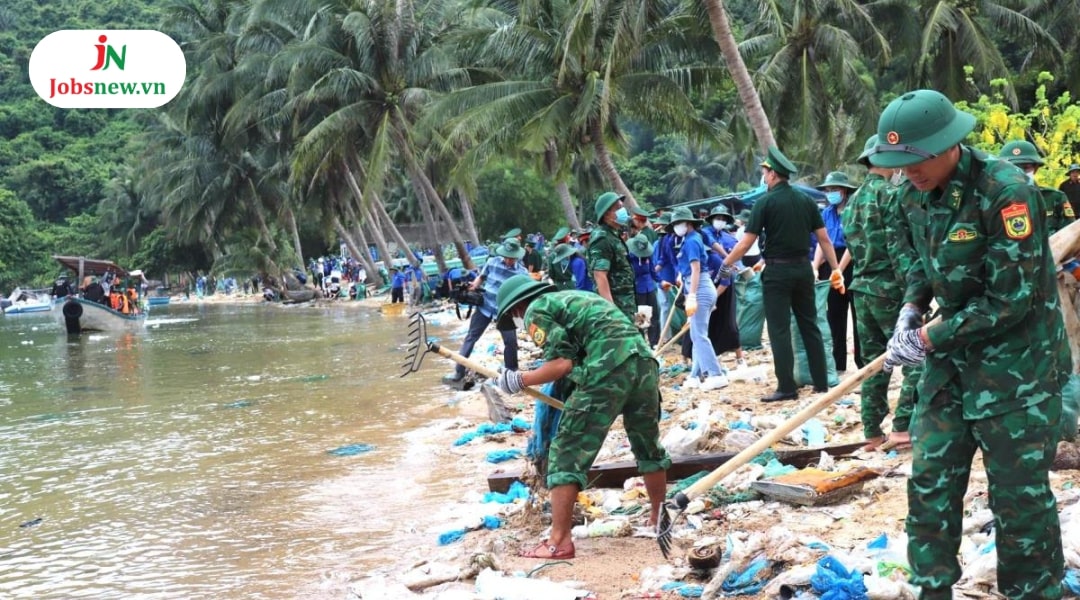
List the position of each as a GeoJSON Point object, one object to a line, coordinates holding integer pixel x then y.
{"type": "Point", "coordinates": [1017, 221]}
{"type": "Point", "coordinates": [963, 234]}
{"type": "Point", "coordinates": [1067, 210]}
{"type": "Point", "coordinates": [538, 335]}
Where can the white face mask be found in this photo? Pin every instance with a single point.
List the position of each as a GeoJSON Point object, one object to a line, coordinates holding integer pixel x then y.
{"type": "Point", "coordinates": [519, 323]}
{"type": "Point", "coordinates": [1030, 177]}
{"type": "Point", "coordinates": [680, 229]}
{"type": "Point", "coordinates": [718, 224]}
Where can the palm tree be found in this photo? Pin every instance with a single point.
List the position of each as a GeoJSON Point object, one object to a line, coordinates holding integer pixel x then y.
{"type": "Point", "coordinates": [696, 175]}
{"type": "Point", "coordinates": [729, 50]}
{"type": "Point", "coordinates": [566, 72]}
{"type": "Point", "coordinates": [1058, 18]}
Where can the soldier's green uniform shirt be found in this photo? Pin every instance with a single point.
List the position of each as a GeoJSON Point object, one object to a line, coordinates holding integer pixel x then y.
{"type": "Point", "coordinates": [607, 252]}
{"type": "Point", "coordinates": [983, 254]}
{"type": "Point", "coordinates": [650, 234]}
{"type": "Point", "coordinates": [866, 221]}
{"type": "Point", "coordinates": [791, 216]}
{"type": "Point", "coordinates": [559, 271]}
{"type": "Point", "coordinates": [1058, 209]}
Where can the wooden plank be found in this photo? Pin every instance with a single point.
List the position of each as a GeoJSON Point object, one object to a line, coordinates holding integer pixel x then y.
{"type": "Point", "coordinates": [612, 475]}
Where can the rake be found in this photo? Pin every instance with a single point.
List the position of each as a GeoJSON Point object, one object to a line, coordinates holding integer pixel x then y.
{"type": "Point", "coordinates": [420, 345]}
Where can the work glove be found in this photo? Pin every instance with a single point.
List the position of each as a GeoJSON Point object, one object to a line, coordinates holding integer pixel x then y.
{"type": "Point", "coordinates": [691, 306]}
{"type": "Point", "coordinates": [510, 382]}
{"type": "Point", "coordinates": [905, 348]}
{"type": "Point", "coordinates": [836, 280]}
{"type": "Point", "coordinates": [665, 285]}
{"type": "Point", "coordinates": [910, 318]}
{"type": "Point", "coordinates": [724, 272]}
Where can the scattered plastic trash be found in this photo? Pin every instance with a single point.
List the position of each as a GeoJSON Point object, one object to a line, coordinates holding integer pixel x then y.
{"type": "Point", "coordinates": [498, 456]}
{"type": "Point", "coordinates": [834, 582]}
{"type": "Point", "coordinates": [1072, 581]}
{"type": "Point", "coordinates": [351, 450]}
{"type": "Point", "coordinates": [517, 491]}
{"type": "Point", "coordinates": [31, 522]}
{"type": "Point", "coordinates": [486, 429]}
{"type": "Point", "coordinates": [493, 585]}
{"type": "Point", "coordinates": [238, 404]}
{"type": "Point", "coordinates": [814, 432]}
{"type": "Point", "coordinates": [311, 378]}
{"type": "Point", "coordinates": [750, 580]}
{"type": "Point", "coordinates": [608, 528]}
{"type": "Point", "coordinates": [454, 535]}
{"type": "Point", "coordinates": [686, 590]}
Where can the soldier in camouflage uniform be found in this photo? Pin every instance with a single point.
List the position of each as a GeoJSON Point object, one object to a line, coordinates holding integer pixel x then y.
{"type": "Point", "coordinates": [558, 269]}
{"type": "Point", "coordinates": [877, 283]}
{"type": "Point", "coordinates": [607, 255]}
{"type": "Point", "coordinates": [586, 339]}
{"type": "Point", "coordinates": [996, 363]}
{"type": "Point", "coordinates": [1055, 204]}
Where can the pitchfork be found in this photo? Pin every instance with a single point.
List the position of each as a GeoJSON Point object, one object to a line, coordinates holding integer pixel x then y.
{"type": "Point", "coordinates": [420, 345]}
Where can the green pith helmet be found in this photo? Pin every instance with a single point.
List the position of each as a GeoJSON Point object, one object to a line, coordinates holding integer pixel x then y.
{"type": "Point", "coordinates": [510, 248]}
{"type": "Point", "coordinates": [513, 233]}
{"type": "Point", "coordinates": [605, 202]}
{"type": "Point", "coordinates": [640, 213]}
{"type": "Point", "coordinates": [868, 149]}
{"type": "Point", "coordinates": [561, 233]}
{"type": "Point", "coordinates": [683, 214]}
{"type": "Point", "coordinates": [514, 290]}
{"type": "Point", "coordinates": [721, 210]}
{"type": "Point", "coordinates": [1021, 152]}
{"type": "Point", "coordinates": [562, 252]}
{"type": "Point", "coordinates": [918, 126]}
{"type": "Point", "coordinates": [837, 179]}
{"type": "Point", "coordinates": [640, 246]}
{"type": "Point", "coordinates": [744, 215]}
{"type": "Point", "coordinates": [775, 160]}
{"type": "Point", "coordinates": [664, 219]}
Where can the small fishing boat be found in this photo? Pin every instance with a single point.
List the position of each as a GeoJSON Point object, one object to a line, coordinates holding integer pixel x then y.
{"type": "Point", "coordinates": [87, 311]}
{"type": "Point", "coordinates": [26, 301]}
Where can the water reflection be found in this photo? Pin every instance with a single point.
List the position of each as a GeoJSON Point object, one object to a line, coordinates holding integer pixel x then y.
{"type": "Point", "coordinates": [190, 460]}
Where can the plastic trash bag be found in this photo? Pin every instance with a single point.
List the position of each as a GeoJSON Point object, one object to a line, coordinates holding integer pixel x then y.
{"type": "Point", "coordinates": [802, 366]}
{"type": "Point", "coordinates": [493, 585]}
{"type": "Point", "coordinates": [833, 581]}
{"type": "Point", "coordinates": [749, 311]}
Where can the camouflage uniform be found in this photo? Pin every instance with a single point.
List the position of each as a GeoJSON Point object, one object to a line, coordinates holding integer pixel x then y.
{"type": "Point", "coordinates": [993, 380]}
{"type": "Point", "coordinates": [1059, 212]}
{"type": "Point", "coordinates": [878, 284]}
{"type": "Point", "coordinates": [607, 252]}
{"type": "Point", "coordinates": [614, 374]}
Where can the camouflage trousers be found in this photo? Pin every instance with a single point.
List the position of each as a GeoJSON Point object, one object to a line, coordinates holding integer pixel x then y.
{"type": "Point", "coordinates": [1017, 448]}
{"type": "Point", "coordinates": [877, 319]}
{"type": "Point", "coordinates": [630, 390]}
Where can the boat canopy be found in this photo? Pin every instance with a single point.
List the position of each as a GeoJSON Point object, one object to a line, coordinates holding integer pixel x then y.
{"type": "Point", "coordinates": [91, 266]}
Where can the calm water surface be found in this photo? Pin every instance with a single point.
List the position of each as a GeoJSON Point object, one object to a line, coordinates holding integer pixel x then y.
{"type": "Point", "coordinates": [190, 460]}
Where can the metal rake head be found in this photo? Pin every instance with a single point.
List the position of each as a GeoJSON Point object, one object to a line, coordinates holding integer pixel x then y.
{"type": "Point", "coordinates": [418, 344]}
{"type": "Point", "coordinates": [669, 513]}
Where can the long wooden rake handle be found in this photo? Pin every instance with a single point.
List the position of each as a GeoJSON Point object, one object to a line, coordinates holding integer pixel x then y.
{"type": "Point", "coordinates": [673, 339]}
{"type": "Point", "coordinates": [491, 373]}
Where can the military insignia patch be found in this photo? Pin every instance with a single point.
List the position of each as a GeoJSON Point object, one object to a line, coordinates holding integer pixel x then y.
{"type": "Point", "coordinates": [892, 137]}
{"type": "Point", "coordinates": [1016, 151]}
{"type": "Point", "coordinates": [1067, 210]}
{"type": "Point", "coordinates": [1017, 221]}
{"type": "Point", "coordinates": [963, 234]}
{"type": "Point", "coordinates": [538, 335]}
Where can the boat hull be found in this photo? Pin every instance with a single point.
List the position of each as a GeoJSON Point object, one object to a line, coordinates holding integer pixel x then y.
{"type": "Point", "coordinates": [78, 316]}
{"type": "Point", "coordinates": [157, 300]}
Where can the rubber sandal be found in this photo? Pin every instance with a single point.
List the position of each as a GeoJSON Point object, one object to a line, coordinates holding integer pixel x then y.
{"type": "Point", "coordinates": [547, 551]}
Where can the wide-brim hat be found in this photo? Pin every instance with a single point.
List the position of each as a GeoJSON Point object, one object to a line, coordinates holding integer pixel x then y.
{"type": "Point", "coordinates": [561, 233]}
{"type": "Point", "coordinates": [1073, 167]}
{"type": "Point", "coordinates": [868, 149]}
{"type": "Point", "coordinates": [562, 252]}
{"type": "Point", "coordinates": [510, 248]}
{"type": "Point", "coordinates": [580, 233]}
{"type": "Point", "coordinates": [1021, 152]}
{"type": "Point", "coordinates": [683, 215]}
{"type": "Point", "coordinates": [640, 246]}
{"type": "Point", "coordinates": [514, 290]}
{"type": "Point", "coordinates": [837, 179]}
{"type": "Point", "coordinates": [776, 161]}
{"type": "Point", "coordinates": [721, 210]}
{"type": "Point", "coordinates": [513, 233]}
{"type": "Point", "coordinates": [604, 203]}
{"type": "Point", "coordinates": [663, 219]}
{"type": "Point", "coordinates": [918, 126]}
{"type": "Point", "coordinates": [638, 212]}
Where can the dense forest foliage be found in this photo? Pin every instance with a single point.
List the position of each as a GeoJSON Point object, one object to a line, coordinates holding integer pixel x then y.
{"type": "Point", "coordinates": [308, 123]}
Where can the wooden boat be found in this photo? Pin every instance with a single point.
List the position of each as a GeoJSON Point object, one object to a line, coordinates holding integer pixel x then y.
{"type": "Point", "coordinates": [612, 475]}
{"type": "Point", "coordinates": [80, 314]}
{"type": "Point", "coordinates": [26, 301]}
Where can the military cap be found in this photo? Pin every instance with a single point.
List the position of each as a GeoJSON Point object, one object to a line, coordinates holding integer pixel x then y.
{"type": "Point", "coordinates": [641, 213]}
{"type": "Point", "coordinates": [683, 215]}
{"type": "Point", "coordinates": [721, 210]}
{"type": "Point", "coordinates": [918, 126]}
{"type": "Point", "coordinates": [1021, 152]}
{"type": "Point", "coordinates": [513, 233]}
{"type": "Point", "coordinates": [563, 252]}
{"type": "Point", "coordinates": [514, 290]}
{"type": "Point", "coordinates": [744, 215]}
{"type": "Point", "coordinates": [1073, 167]}
{"type": "Point", "coordinates": [561, 233]}
{"type": "Point", "coordinates": [640, 246]}
{"type": "Point", "coordinates": [605, 202]}
{"type": "Point", "coordinates": [510, 248]}
{"type": "Point", "coordinates": [837, 179]}
{"type": "Point", "coordinates": [776, 161]}
{"type": "Point", "coordinates": [663, 219]}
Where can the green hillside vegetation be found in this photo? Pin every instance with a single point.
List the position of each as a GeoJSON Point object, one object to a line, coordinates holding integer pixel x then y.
{"type": "Point", "coordinates": [305, 123]}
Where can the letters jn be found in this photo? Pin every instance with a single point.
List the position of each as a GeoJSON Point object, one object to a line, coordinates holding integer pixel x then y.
{"type": "Point", "coordinates": [107, 55]}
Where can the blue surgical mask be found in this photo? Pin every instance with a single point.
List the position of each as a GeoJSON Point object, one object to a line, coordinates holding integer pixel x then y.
{"type": "Point", "coordinates": [622, 216]}
{"type": "Point", "coordinates": [834, 197]}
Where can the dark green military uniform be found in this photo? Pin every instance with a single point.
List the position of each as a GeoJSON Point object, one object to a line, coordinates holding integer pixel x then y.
{"type": "Point", "coordinates": [607, 252]}
{"type": "Point", "coordinates": [558, 270]}
{"type": "Point", "coordinates": [1058, 209]}
{"type": "Point", "coordinates": [784, 218]}
{"type": "Point", "coordinates": [993, 380]}
{"type": "Point", "coordinates": [614, 374]}
{"type": "Point", "coordinates": [878, 283]}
